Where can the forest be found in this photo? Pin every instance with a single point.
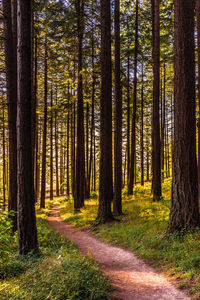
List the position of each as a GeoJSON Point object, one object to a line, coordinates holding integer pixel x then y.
{"type": "Point", "coordinates": [99, 149]}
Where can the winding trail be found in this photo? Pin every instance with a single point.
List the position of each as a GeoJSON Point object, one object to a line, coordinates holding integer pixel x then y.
{"type": "Point", "coordinates": [131, 277]}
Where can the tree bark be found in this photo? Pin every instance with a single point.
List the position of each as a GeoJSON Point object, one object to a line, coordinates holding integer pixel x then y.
{"type": "Point", "coordinates": [117, 200]}
{"type": "Point", "coordinates": [51, 146]}
{"type": "Point", "coordinates": [198, 51]}
{"type": "Point", "coordinates": [184, 211]}
{"type": "Point", "coordinates": [56, 147]}
{"type": "Point", "coordinates": [105, 176]}
{"type": "Point", "coordinates": [68, 136]}
{"type": "Point", "coordinates": [43, 181]}
{"type": "Point", "coordinates": [27, 231]}
{"type": "Point", "coordinates": [80, 149]}
{"type": "Point", "coordinates": [142, 127]}
{"type": "Point", "coordinates": [133, 129]}
{"type": "Point", "coordinates": [156, 143]}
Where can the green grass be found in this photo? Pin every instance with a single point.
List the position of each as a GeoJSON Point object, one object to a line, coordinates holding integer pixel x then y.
{"type": "Point", "coordinates": [58, 272]}
{"type": "Point", "coordinates": [143, 230]}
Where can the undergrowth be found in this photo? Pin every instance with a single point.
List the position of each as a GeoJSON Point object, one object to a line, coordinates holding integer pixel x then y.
{"type": "Point", "coordinates": [142, 229]}
{"type": "Point", "coordinates": [58, 272]}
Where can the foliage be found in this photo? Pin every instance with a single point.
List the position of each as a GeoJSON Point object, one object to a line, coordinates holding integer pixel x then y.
{"type": "Point", "coordinates": [59, 271]}
{"type": "Point", "coordinates": [6, 239]}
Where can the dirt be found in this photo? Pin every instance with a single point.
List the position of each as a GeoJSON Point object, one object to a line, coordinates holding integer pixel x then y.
{"type": "Point", "coordinates": [131, 278]}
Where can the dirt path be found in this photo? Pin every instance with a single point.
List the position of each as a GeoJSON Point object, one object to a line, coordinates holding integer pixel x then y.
{"type": "Point", "coordinates": [132, 278]}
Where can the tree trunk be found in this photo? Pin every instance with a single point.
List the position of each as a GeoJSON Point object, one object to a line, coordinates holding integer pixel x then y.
{"type": "Point", "coordinates": [51, 146]}
{"type": "Point", "coordinates": [105, 176]}
{"type": "Point", "coordinates": [117, 200]}
{"type": "Point", "coordinates": [61, 162]}
{"type": "Point", "coordinates": [27, 231]}
{"type": "Point", "coordinates": [10, 32]}
{"type": "Point", "coordinates": [128, 111]}
{"type": "Point", "coordinates": [37, 164]}
{"type": "Point", "coordinates": [133, 129]}
{"type": "Point", "coordinates": [68, 135]}
{"type": "Point", "coordinates": [94, 172]}
{"type": "Point", "coordinates": [56, 147]}
{"type": "Point", "coordinates": [43, 181]}
{"type": "Point", "coordinates": [198, 51]}
{"type": "Point", "coordinates": [184, 211]}
{"type": "Point", "coordinates": [80, 151]}
{"type": "Point", "coordinates": [4, 158]}
{"type": "Point", "coordinates": [156, 143]}
{"type": "Point", "coordinates": [92, 116]}
{"type": "Point", "coordinates": [142, 127]}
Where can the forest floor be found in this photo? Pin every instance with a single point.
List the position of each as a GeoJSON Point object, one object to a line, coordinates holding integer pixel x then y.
{"type": "Point", "coordinates": [143, 231]}
{"type": "Point", "coordinates": [58, 271]}
{"type": "Point", "coordinates": [130, 276]}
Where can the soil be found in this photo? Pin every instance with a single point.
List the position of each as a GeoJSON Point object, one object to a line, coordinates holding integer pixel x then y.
{"type": "Point", "coordinates": [131, 278]}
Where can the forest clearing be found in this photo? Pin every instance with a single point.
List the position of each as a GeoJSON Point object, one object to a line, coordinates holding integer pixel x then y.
{"type": "Point", "coordinates": [99, 149]}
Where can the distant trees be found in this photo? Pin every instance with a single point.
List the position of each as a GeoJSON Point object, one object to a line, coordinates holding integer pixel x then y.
{"type": "Point", "coordinates": [184, 207]}
{"type": "Point", "coordinates": [10, 32]}
{"type": "Point", "coordinates": [66, 132]}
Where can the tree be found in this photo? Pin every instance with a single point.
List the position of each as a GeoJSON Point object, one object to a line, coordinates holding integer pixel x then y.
{"type": "Point", "coordinates": [105, 176]}
{"type": "Point", "coordinates": [43, 180]}
{"type": "Point", "coordinates": [133, 129]}
{"type": "Point", "coordinates": [156, 143]}
{"type": "Point", "coordinates": [198, 45]}
{"type": "Point", "coordinates": [117, 201]}
{"type": "Point", "coordinates": [80, 149]}
{"type": "Point", "coordinates": [27, 231]}
{"type": "Point", "coordinates": [51, 146]}
{"type": "Point", "coordinates": [10, 32]}
{"type": "Point", "coordinates": [184, 207]}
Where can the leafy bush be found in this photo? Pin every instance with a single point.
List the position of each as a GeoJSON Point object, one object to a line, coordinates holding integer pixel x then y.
{"type": "Point", "coordinates": [6, 239]}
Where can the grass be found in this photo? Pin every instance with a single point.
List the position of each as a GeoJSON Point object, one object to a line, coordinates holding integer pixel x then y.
{"type": "Point", "coordinates": [58, 272]}
{"type": "Point", "coordinates": [143, 230]}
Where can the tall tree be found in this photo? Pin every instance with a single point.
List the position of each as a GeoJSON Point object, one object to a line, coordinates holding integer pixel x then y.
{"type": "Point", "coordinates": [105, 176]}
{"type": "Point", "coordinates": [184, 207]}
{"type": "Point", "coordinates": [10, 32]}
{"type": "Point", "coordinates": [156, 143]}
{"type": "Point", "coordinates": [43, 180]}
{"type": "Point", "coordinates": [27, 231]}
{"type": "Point", "coordinates": [133, 129]}
{"type": "Point", "coordinates": [80, 149]}
{"type": "Point", "coordinates": [142, 127]}
{"type": "Point", "coordinates": [198, 45]}
{"type": "Point", "coordinates": [117, 201]}
{"type": "Point", "coordinates": [51, 146]}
